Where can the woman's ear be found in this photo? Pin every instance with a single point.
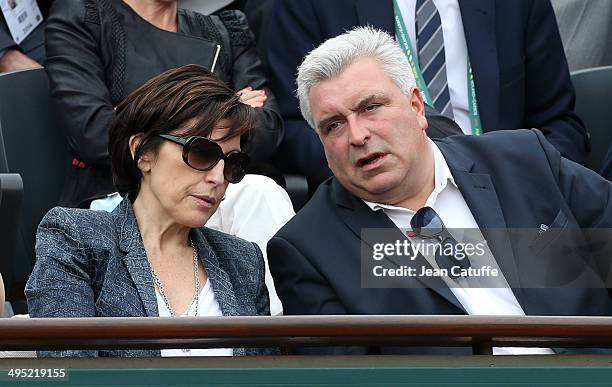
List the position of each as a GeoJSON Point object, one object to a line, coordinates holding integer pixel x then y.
{"type": "Point", "coordinates": [143, 161]}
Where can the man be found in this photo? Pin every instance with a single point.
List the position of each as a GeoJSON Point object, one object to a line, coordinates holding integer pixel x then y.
{"type": "Point", "coordinates": [358, 93]}
{"type": "Point", "coordinates": [22, 40]}
{"type": "Point", "coordinates": [520, 72]}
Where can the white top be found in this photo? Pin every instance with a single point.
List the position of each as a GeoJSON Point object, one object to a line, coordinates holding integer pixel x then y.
{"type": "Point", "coordinates": [455, 50]}
{"type": "Point", "coordinates": [254, 210]}
{"type": "Point", "coordinates": [207, 306]}
{"type": "Point", "coordinates": [448, 202]}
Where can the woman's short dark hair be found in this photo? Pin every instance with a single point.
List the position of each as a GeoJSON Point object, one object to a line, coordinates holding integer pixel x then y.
{"type": "Point", "coordinates": [189, 98]}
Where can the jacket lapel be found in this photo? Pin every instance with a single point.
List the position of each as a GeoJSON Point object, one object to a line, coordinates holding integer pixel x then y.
{"type": "Point", "coordinates": [479, 25]}
{"type": "Point", "coordinates": [358, 216]}
{"type": "Point", "coordinates": [135, 258]}
{"type": "Point", "coordinates": [219, 279]}
{"type": "Point", "coordinates": [377, 14]}
{"type": "Point", "coordinates": [482, 199]}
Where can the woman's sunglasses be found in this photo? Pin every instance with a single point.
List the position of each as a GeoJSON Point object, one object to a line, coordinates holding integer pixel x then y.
{"type": "Point", "coordinates": [203, 154]}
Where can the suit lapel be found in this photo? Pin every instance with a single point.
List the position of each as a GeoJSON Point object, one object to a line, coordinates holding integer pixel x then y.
{"type": "Point", "coordinates": [377, 14]}
{"type": "Point", "coordinates": [358, 216]}
{"type": "Point", "coordinates": [479, 25]}
{"type": "Point", "coordinates": [219, 279]}
{"type": "Point", "coordinates": [482, 199]}
{"type": "Point", "coordinates": [135, 258]}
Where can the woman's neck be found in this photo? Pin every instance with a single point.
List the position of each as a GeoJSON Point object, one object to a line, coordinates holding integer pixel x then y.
{"type": "Point", "coordinates": [159, 234]}
{"type": "Point", "coordinates": [162, 14]}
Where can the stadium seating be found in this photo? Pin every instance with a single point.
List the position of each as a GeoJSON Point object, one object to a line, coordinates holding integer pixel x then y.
{"type": "Point", "coordinates": [11, 193]}
{"type": "Point", "coordinates": [593, 91]}
{"type": "Point", "coordinates": [35, 148]}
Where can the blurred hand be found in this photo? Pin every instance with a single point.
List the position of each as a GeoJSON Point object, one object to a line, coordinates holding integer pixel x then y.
{"type": "Point", "coordinates": [1, 297]}
{"type": "Point", "coordinates": [14, 59]}
{"type": "Point", "coordinates": [254, 98]}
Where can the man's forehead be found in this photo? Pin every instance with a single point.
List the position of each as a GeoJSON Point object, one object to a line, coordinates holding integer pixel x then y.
{"type": "Point", "coordinates": [332, 100]}
{"type": "Point", "coordinates": [364, 76]}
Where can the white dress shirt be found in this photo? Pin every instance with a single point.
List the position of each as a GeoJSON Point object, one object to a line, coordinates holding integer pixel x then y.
{"type": "Point", "coordinates": [449, 204]}
{"type": "Point", "coordinates": [455, 50]}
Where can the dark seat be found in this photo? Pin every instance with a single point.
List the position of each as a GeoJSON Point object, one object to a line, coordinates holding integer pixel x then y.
{"type": "Point", "coordinates": [36, 149]}
{"type": "Point", "coordinates": [594, 107]}
{"type": "Point", "coordinates": [11, 194]}
{"type": "Point", "coordinates": [297, 188]}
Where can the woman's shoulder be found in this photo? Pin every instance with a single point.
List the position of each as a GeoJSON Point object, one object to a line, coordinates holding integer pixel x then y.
{"type": "Point", "coordinates": [231, 22]}
{"type": "Point", "coordinates": [76, 10]}
{"type": "Point", "coordinates": [228, 245]}
{"type": "Point", "coordinates": [238, 27]}
{"type": "Point", "coordinates": [76, 221]}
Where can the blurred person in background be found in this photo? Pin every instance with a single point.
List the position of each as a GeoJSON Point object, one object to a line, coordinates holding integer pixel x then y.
{"type": "Point", "coordinates": [175, 147]}
{"type": "Point", "coordinates": [509, 51]}
{"type": "Point", "coordinates": [100, 51]}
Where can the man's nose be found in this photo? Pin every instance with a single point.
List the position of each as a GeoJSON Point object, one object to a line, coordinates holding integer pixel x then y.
{"type": "Point", "coordinates": [359, 133]}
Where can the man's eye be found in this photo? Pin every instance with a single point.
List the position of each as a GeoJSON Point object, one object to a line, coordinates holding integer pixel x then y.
{"type": "Point", "coordinates": [332, 126]}
{"type": "Point", "coordinates": [372, 107]}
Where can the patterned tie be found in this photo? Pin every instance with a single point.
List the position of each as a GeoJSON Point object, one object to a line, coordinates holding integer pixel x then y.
{"type": "Point", "coordinates": [432, 61]}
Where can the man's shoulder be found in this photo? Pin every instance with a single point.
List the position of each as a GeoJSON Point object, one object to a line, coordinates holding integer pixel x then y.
{"type": "Point", "coordinates": [523, 142]}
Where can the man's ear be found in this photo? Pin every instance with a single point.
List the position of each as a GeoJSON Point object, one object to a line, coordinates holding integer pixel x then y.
{"type": "Point", "coordinates": [143, 162]}
{"type": "Point", "coordinates": [418, 106]}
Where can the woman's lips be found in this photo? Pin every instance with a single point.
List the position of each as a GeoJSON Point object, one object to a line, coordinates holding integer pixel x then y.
{"type": "Point", "coordinates": [205, 200]}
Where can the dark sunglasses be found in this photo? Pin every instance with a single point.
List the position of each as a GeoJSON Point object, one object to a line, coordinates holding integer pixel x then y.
{"type": "Point", "coordinates": [427, 224]}
{"type": "Point", "coordinates": [203, 154]}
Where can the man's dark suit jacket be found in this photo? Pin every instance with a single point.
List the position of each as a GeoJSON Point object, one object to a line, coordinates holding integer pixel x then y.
{"type": "Point", "coordinates": [520, 70]}
{"type": "Point", "coordinates": [509, 179]}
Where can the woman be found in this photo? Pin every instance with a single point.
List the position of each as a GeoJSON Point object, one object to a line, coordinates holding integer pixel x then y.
{"type": "Point", "coordinates": [174, 146]}
{"type": "Point", "coordinates": [99, 51]}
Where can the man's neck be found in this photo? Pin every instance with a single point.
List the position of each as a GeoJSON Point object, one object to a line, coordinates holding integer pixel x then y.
{"type": "Point", "coordinates": [418, 201]}
{"type": "Point", "coordinates": [162, 14]}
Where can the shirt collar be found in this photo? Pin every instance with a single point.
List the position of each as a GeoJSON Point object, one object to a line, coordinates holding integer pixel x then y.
{"type": "Point", "coordinates": [442, 176]}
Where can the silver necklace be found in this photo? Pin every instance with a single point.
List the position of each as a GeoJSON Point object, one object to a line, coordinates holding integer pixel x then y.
{"type": "Point", "coordinates": [196, 296]}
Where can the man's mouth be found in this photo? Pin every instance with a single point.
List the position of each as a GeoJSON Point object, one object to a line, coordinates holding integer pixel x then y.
{"type": "Point", "coordinates": [370, 159]}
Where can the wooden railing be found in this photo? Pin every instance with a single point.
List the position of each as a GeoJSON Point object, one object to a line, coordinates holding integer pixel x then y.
{"type": "Point", "coordinates": [479, 332]}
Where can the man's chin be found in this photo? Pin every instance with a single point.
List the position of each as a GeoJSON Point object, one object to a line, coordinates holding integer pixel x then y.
{"type": "Point", "coordinates": [374, 191]}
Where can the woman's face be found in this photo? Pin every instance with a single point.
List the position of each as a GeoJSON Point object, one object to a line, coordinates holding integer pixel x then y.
{"type": "Point", "coordinates": [178, 192]}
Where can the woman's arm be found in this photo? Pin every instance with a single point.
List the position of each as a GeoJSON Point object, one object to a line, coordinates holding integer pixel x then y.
{"type": "Point", "coordinates": [262, 301]}
{"type": "Point", "coordinates": [60, 283]}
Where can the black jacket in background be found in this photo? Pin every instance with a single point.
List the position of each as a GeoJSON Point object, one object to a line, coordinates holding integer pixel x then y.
{"type": "Point", "coordinates": [100, 51]}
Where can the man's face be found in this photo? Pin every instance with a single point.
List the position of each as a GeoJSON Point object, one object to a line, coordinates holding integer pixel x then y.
{"type": "Point", "coordinates": [373, 134]}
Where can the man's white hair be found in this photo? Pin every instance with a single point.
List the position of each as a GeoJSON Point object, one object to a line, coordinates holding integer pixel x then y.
{"type": "Point", "coordinates": [332, 57]}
